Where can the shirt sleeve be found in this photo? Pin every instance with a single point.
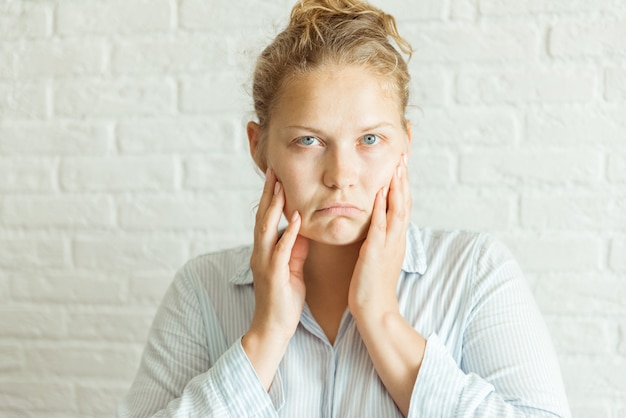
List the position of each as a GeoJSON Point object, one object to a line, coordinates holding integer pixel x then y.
{"type": "Point", "coordinates": [508, 366]}
{"type": "Point", "coordinates": [177, 377]}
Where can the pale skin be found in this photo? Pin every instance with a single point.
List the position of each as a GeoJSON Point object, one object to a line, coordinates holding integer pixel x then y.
{"type": "Point", "coordinates": [336, 154]}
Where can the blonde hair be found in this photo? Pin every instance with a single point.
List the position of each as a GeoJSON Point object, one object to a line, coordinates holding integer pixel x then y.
{"type": "Point", "coordinates": [326, 33]}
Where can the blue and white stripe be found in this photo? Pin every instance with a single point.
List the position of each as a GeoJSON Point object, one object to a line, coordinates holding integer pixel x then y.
{"type": "Point", "coordinates": [488, 353]}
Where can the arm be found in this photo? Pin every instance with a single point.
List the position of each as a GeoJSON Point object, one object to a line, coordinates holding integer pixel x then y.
{"type": "Point", "coordinates": [509, 367]}
{"type": "Point", "coordinates": [395, 348]}
{"type": "Point", "coordinates": [177, 376]}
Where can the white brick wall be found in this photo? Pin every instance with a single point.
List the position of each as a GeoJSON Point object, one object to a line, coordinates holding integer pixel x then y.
{"type": "Point", "coordinates": [123, 153]}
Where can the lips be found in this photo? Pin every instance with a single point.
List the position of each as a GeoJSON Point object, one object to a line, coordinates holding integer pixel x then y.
{"type": "Point", "coordinates": [339, 209]}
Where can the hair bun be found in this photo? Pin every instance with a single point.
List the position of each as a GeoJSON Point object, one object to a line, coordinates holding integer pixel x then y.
{"type": "Point", "coordinates": [315, 19]}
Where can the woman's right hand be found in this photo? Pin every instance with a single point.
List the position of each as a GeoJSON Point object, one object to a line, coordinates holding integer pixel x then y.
{"type": "Point", "coordinates": [277, 268]}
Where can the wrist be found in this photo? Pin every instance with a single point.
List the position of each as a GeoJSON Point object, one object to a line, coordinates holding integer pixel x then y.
{"type": "Point", "coordinates": [264, 353]}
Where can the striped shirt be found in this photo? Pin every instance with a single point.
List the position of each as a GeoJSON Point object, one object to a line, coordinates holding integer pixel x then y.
{"type": "Point", "coordinates": [488, 352]}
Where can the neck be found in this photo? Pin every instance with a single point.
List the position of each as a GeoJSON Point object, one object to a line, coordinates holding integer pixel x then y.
{"type": "Point", "coordinates": [327, 274]}
{"type": "Point", "coordinates": [326, 265]}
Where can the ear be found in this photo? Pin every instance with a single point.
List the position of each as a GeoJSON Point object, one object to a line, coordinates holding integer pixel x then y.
{"type": "Point", "coordinates": [254, 140]}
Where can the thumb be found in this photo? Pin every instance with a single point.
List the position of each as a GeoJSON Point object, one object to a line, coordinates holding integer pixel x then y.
{"type": "Point", "coordinates": [299, 253]}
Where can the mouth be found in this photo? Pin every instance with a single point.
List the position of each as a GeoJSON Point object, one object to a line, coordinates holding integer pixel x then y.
{"type": "Point", "coordinates": [339, 209]}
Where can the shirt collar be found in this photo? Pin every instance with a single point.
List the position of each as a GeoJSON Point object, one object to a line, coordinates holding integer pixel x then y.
{"type": "Point", "coordinates": [414, 258]}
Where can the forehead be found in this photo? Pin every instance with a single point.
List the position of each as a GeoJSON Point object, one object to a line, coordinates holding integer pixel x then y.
{"type": "Point", "coordinates": [351, 93]}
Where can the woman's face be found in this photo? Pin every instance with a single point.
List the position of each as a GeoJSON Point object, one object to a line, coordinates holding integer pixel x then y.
{"type": "Point", "coordinates": [334, 139]}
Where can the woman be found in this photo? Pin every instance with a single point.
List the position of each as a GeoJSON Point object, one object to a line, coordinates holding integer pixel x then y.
{"type": "Point", "coordinates": [351, 311]}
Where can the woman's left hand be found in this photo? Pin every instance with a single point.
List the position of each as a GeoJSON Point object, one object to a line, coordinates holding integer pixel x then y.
{"type": "Point", "coordinates": [395, 347]}
{"type": "Point", "coordinates": [375, 276]}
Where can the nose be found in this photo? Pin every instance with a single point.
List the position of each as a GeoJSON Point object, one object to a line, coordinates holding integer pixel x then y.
{"type": "Point", "coordinates": [340, 168]}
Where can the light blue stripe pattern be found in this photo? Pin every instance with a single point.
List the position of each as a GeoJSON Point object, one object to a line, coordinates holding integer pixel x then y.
{"type": "Point", "coordinates": [488, 353]}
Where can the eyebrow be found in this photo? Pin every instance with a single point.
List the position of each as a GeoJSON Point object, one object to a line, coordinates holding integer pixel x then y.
{"type": "Point", "coordinates": [318, 132]}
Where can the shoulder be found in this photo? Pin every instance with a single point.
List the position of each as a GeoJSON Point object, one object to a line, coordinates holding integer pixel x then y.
{"type": "Point", "coordinates": [467, 256]}
{"type": "Point", "coordinates": [221, 268]}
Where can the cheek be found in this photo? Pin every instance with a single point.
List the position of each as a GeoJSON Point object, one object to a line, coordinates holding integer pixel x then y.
{"type": "Point", "coordinates": [383, 177]}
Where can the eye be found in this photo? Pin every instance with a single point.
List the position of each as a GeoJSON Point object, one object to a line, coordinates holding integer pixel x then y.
{"type": "Point", "coordinates": [370, 139]}
{"type": "Point", "coordinates": [308, 141]}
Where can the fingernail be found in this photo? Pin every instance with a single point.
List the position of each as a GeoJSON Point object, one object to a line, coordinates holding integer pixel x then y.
{"type": "Point", "coordinates": [295, 216]}
{"type": "Point", "coordinates": [385, 192]}
{"type": "Point", "coordinates": [405, 160]}
{"type": "Point", "coordinates": [399, 171]}
{"type": "Point", "coordinates": [276, 188]}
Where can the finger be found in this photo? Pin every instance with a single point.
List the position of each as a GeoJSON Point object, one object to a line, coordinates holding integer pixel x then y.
{"type": "Point", "coordinates": [377, 232]}
{"type": "Point", "coordinates": [284, 246]}
{"type": "Point", "coordinates": [299, 253]}
{"type": "Point", "coordinates": [406, 185]}
{"type": "Point", "coordinates": [266, 232]}
{"type": "Point", "coordinates": [266, 194]}
{"type": "Point", "coordinates": [398, 213]}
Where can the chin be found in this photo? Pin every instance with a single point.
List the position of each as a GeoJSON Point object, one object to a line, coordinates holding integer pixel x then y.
{"type": "Point", "coordinates": [338, 232]}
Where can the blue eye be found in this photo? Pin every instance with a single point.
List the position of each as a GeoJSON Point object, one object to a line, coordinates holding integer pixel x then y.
{"type": "Point", "coordinates": [370, 139]}
{"type": "Point", "coordinates": [308, 141]}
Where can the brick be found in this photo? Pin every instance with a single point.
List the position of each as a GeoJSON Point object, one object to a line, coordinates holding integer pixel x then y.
{"type": "Point", "coordinates": [36, 395]}
{"type": "Point", "coordinates": [221, 173]}
{"type": "Point", "coordinates": [117, 173]}
{"type": "Point", "coordinates": [148, 288]}
{"type": "Point", "coordinates": [454, 209]}
{"type": "Point", "coordinates": [568, 127]}
{"type": "Point", "coordinates": [203, 15]}
{"type": "Point", "coordinates": [525, 7]}
{"type": "Point", "coordinates": [95, 362]}
{"type": "Point", "coordinates": [587, 294]}
{"type": "Point", "coordinates": [66, 211]}
{"type": "Point", "coordinates": [154, 136]}
{"type": "Point", "coordinates": [428, 87]}
{"type": "Point", "coordinates": [26, 175]}
{"type": "Point", "coordinates": [109, 327]}
{"type": "Point", "coordinates": [596, 38]}
{"type": "Point", "coordinates": [214, 93]}
{"type": "Point", "coordinates": [218, 211]}
{"type": "Point", "coordinates": [422, 10]}
{"type": "Point", "coordinates": [76, 17]}
{"type": "Point", "coordinates": [476, 127]}
{"type": "Point", "coordinates": [487, 43]}
{"type": "Point", "coordinates": [39, 253]}
{"type": "Point", "coordinates": [130, 254]}
{"type": "Point", "coordinates": [214, 242]}
{"type": "Point", "coordinates": [516, 167]}
{"type": "Point", "coordinates": [592, 336]}
{"type": "Point", "coordinates": [618, 254]}
{"type": "Point", "coordinates": [64, 288]}
{"type": "Point", "coordinates": [615, 85]}
{"type": "Point", "coordinates": [20, 100]}
{"type": "Point", "coordinates": [7, 59]}
{"type": "Point", "coordinates": [25, 20]}
{"type": "Point", "coordinates": [55, 138]}
{"type": "Point", "coordinates": [173, 55]}
{"type": "Point", "coordinates": [32, 322]}
{"type": "Point", "coordinates": [530, 85]}
{"type": "Point", "coordinates": [617, 167]}
{"type": "Point", "coordinates": [589, 408]}
{"type": "Point", "coordinates": [428, 168]}
{"type": "Point", "coordinates": [592, 377]}
{"type": "Point", "coordinates": [11, 358]}
{"type": "Point", "coordinates": [622, 343]}
{"type": "Point", "coordinates": [573, 212]}
{"type": "Point", "coordinates": [98, 398]}
{"type": "Point", "coordinates": [544, 253]}
{"type": "Point", "coordinates": [5, 285]}
{"type": "Point", "coordinates": [114, 98]}
{"type": "Point", "coordinates": [66, 58]}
